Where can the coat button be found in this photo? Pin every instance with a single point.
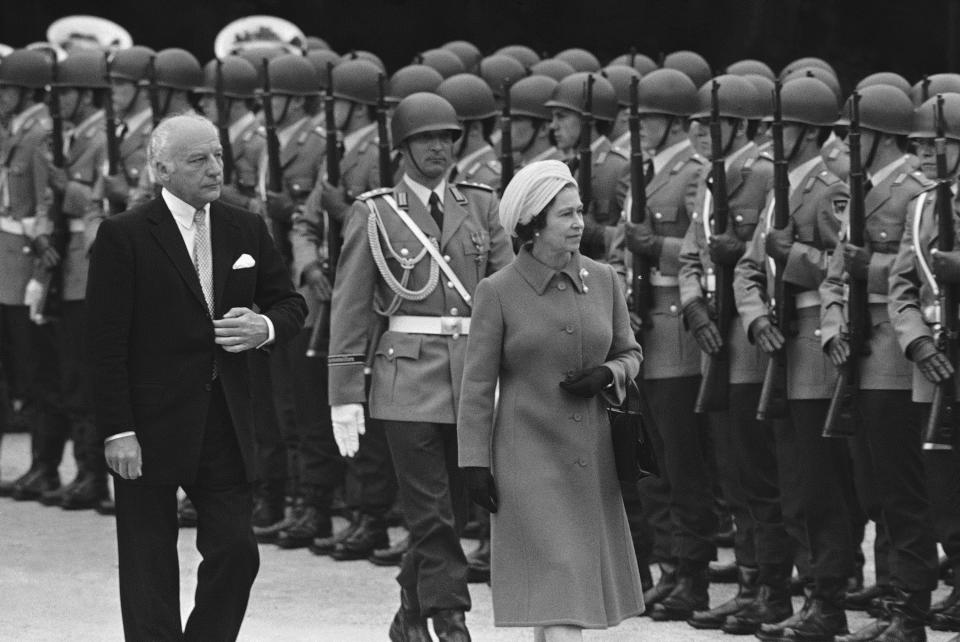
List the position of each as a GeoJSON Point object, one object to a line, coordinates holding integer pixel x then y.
{"type": "Point", "coordinates": [404, 251]}
{"type": "Point", "coordinates": [454, 312]}
{"type": "Point", "coordinates": [561, 286]}
{"type": "Point", "coordinates": [208, 387]}
{"type": "Point", "coordinates": [390, 352]}
{"type": "Point", "coordinates": [738, 218]}
{"type": "Point", "coordinates": [657, 215]}
{"type": "Point", "coordinates": [449, 284]}
{"type": "Point", "coordinates": [582, 462]}
{"type": "Point", "coordinates": [446, 257]}
{"type": "Point", "coordinates": [883, 235]}
{"type": "Point", "coordinates": [695, 216]}
{"type": "Point", "coordinates": [568, 329]}
{"type": "Point", "coordinates": [673, 309]}
{"type": "Point", "coordinates": [816, 332]}
{"type": "Point", "coordinates": [577, 416]}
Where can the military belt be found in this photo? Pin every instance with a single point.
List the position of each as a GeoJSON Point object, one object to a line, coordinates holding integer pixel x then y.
{"type": "Point", "coordinates": [808, 299]}
{"type": "Point", "coordinates": [658, 280]}
{"type": "Point", "coordinates": [449, 326]}
{"type": "Point", "coordinates": [20, 227]}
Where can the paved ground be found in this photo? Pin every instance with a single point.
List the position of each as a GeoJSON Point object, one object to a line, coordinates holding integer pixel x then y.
{"type": "Point", "coordinates": [58, 581]}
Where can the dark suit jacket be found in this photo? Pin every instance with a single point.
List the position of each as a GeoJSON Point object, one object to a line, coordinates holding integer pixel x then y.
{"type": "Point", "coordinates": [151, 341]}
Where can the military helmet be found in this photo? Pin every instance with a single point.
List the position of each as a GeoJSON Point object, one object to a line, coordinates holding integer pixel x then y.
{"type": "Point", "coordinates": [823, 75]}
{"type": "Point", "coordinates": [933, 85]}
{"type": "Point", "coordinates": [571, 93]}
{"type": "Point", "coordinates": [256, 55]}
{"type": "Point", "coordinates": [131, 64]}
{"type": "Point", "coordinates": [412, 79]}
{"type": "Point", "coordinates": [423, 112]}
{"type": "Point", "coordinates": [444, 61]}
{"type": "Point", "coordinates": [924, 119]}
{"type": "Point", "coordinates": [293, 75]}
{"type": "Point", "coordinates": [737, 97]}
{"type": "Point", "coordinates": [765, 88]}
{"type": "Point", "coordinates": [316, 43]}
{"type": "Point", "coordinates": [620, 77]}
{"type": "Point", "coordinates": [356, 80]}
{"type": "Point", "coordinates": [803, 63]}
{"type": "Point", "coordinates": [497, 69]}
{"type": "Point", "coordinates": [808, 101]}
{"type": "Point", "coordinates": [883, 108]}
{"type": "Point", "coordinates": [667, 91]}
{"type": "Point", "coordinates": [240, 78]}
{"type": "Point", "coordinates": [368, 56]}
{"type": "Point", "coordinates": [470, 96]}
{"type": "Point", "coordinates": [467, 52]}
{"type": "Point", "coordinates": [529, 96]}
{"type": "Point", "coordinates": [886, 78]}
{"type": "Point", "coordinates": [26, 68]}
{"type": "Point", "coordinates": [750, 66]}
{"type": "Point", "coordinates": [556, 69]}
{"type": "Point", "coordinates": [521, 53]}
{"type": "Point", "coordinates": [579, 59]}
{"type": "Point", "coordinates": [691, 63]}
{"type": "Point", "coordinates": [643, 64]}
{"type": "Point", "coordinates": [320, 59]}
{"type": "Point", "coordinates": [177, 69]}
{"type": "Point", "coordinates": [84, 68]}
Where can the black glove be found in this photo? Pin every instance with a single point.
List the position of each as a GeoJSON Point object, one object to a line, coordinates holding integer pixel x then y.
{"type": "Point", "coordinates": [588, 382]}
{"type": "Point", "coordinates": [778, 243]}
{"type": "Point", "coordinates": [48, 255]}
{"type": "Point", "coordinates": [856, 260]}
{"type": "Point", "coordinates": [838, 349]}
{"type": "Point", "coordinates": [933, 364]}
{"type": "Point", "coordinates": [481, 487]}
{"type": "Point", "coordinates": [279, 206]}
{"type": "Point", "coordinates": [725, 249]}
{"type": "Point", "coordinates": [946, 265]}
{"type": "Point", "coordinates": [316, 279]}
{"type": "Point", "coordinates": [641, 239]}
{"type": "Point", "coordinates": [702, 326]}
{"type": "Point", "coordinates": [767, 335]}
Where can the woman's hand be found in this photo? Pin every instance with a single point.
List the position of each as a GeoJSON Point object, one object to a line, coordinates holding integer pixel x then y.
{"type": "Point", "coordinates": [482, 489]}
{"type": "Point", "coordinates": [588, 382]}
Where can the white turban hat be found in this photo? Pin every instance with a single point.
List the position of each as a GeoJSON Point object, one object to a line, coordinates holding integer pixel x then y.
{"type": "Point", "coordinates": [531, 190]}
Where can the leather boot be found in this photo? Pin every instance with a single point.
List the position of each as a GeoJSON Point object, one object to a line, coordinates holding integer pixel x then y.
{"type": "Point", "coordinates": [450, 626]}
{"type": "Point", "coordinates": [478, 563]}
{"type": "Point", "coordinates": [55, 496]}
{"type": "Point", "coordinates": [909, 612]}
{"type": "Point", "coordinates": [772, 604]}
{"type": "Point", "coordinates": [370, 535]}
{"type": "Point", "coordinates": [268, 508]}
{"type": "Point", "coordinates": [947, 619]}
{"type": "Point", "coordinates": [689, 595]}
{"type": "Point", "coordinates": [824, 618]}
{"type": "Point", "coordinates": [867, 633]}
{"type": "Point", "coordinates": [777, 630]}
{"type": "Point", "coordinates": [313, 522]}
{"type": "Point", "coordinates": [85, 495]}
{"type": "Point", "coordinates": [947, 602]}
{"type": "Point", "coordinates": [746, 593]}
{"type": "Point", "coordinates": [408, 625]}
{"type": "Point", "coordinates": [186, 513]}
{"type": "Point", "coordinates": [861, 600]}
{"type": "Point", "coordinates": [325, 545]}
{"type": "Point", "coordinates": [723, 573]}
{"type": "Point", "coordinates": [663, 587]}
{"type": "Point", "coordinates": [391, 556]}
{"type": "Point", "coordinates": [34, 484]}
{"type": "Point", "coordinates": [269, 534]}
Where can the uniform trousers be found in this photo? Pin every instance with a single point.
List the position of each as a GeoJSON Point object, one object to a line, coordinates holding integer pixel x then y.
{"type": "Point", "coordinates": [75, 389]}
{"type": "Point", "coordinates": [943, 487]}
{"type": "Point", "coordinates": [789, 478]}
{"type": "Point", "coordinates": [269, 450]}
{"type": "Point", "coordinates": [147, 531]}
{"type": "Point", "coordinates": [732, 491]}
{"type": "Point", "coordinates": [434, 569]}
{"type": "Point", "coordinates": [53, 427]}
{"type": "Point", "coordinates": [15, 352]}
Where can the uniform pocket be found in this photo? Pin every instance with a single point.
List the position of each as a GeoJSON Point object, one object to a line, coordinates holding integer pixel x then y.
{"type": "Point", "coordinates": [396, 368]}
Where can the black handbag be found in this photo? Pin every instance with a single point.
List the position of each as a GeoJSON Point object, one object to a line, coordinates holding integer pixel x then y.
{"type": "Point", "coordinates": [632, 450]}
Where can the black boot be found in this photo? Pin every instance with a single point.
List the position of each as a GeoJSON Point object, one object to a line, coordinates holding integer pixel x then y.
{"type": "Point", "coordinates": [268, 505]}
{"type": "Point", "coordinates": [450, 626]}
{"type": "Point", "coordinates": [690, 594]}
{"type": "Point", "coordinates": [947, 618]}
{"type": "Point", "coordinates": [666, 584]}
{"type": "Point", "coordinates": [86, 494]}
{"type": "Point", "coordinates": [106, 507]}
{"type": "Point", "coordinates": [187, 513]}
{"type": "Point", "coordinates": [867, 633]}
{"type": "Point", "coordinates": [371, 534]}
{"type": "Point", "coordinates": [861, 600]}
{"type": "Point", "coordinates": [408, 625]}
{"type": "Point", "coordinates": [723, 573]}
{"type": "Point", "coordinates": [391, 556]}
{"type": "Point", "coordinates": [777, 630]}
{"type": "Point", "coordinates": [291, 513]}
{"type": "Point", "coordinates": [746, 593]}
{"type": "Point", "coordinates": [55, 496]}
{"type": "Point", "coordinates": [946, 603]}
{"type": "Point", "coordinates": [909, 612]}
{"type": "Point", "coordinates": [34, 484]}
{"type": "Point", "coordinates": [478, 563]}
{"type": "Point", "coordinates": [326, 545]}
{"type": "Point", "coordinates": [313, 522]}
{"type": "Point", "coordinates": [772, 604]}
{"type": "Point", "coordinates": [824, 618]}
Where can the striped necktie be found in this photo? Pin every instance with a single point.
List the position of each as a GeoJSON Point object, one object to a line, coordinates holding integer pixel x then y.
{"type": "Point", "coordinates": [202, 257]}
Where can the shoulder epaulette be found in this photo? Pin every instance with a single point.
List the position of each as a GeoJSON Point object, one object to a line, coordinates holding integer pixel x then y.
{"type": "Point", "coordinates": [458, 195]}
{"type": "Point", "coordinates": [380, 191]}
{"type": "Point", "coordinates": [485, 188]}
{"type": "Point", "coordinates": [262, 130]}
{"type": "Point", "coordinates": [698, 158]}
{"type": "Point", "coordinates": [247, 135]}
{"type": "Point", "coordinates": [827, 177]}
{"type": "Point", "coordinates": [320, 131]}
{"type": "Point", "coordinates": [766, 155]}
{"type": "Point", "coordinates": [809, 184]}
{"type": "Point", "coordinates": [748, 164]}
{"type": "Point", "coordinates": [920, 178]}
{"type": "Point", "coordinates": [402, 201]}
{"type": "Point", "coordinates": [679, 166]}
{"type": "Point", "coordinates": [494, 166]}
{"type": "Point", "coordinates": [599, 157]}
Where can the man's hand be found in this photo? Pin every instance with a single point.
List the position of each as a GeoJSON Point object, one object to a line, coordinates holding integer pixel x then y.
{"type": "Point", "coordinates": [641, 239]}
{"type": "Point", "coordinates": [725, 249]}
{"type": "Point", "coordinates": [279, 206]}
{"type": "Point", "coordinates": [58, 179]}
{"type": "Point", "coordinates": [240, 329]}
{"type": "Point", "coordinates": [946, 265]}
{"type": "Point", "coordinates": [32, 298]}
{"type": "Point", "coordinates": [48, 255]}
{"type": "Point", "coordinates": [335, 199]}
{"type": "Point", "coordinates": [115, 187]}
{"type": "Point", "coordinates": [704, 329]}
{"type": "Point", "coordinates": [316, 280]}
{"type": "Point", "coordinates": [933, 364]}
{"type": "Point", "coordinates": [856, 260]}
{"type": "Point", "coordinates": [348, 425]}
{"type": "Point", "coordinates": [124, 457]}
{"type": "Point", "coordinates": [481, 487]}
{"type": "Point", "coordinates": [838, 349]}
{"type": "Point", "coordinates": [767, 335]}
{"type": "Point", "coordinates": [779, 242]}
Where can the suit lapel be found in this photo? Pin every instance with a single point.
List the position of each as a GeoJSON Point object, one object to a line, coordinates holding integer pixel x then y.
{"type": "Point", "coordinates": [225, 241]}
{"type": "Point", "coordinates": [164, 230]}
{"type": "Point", "coordinates": [453, 214]}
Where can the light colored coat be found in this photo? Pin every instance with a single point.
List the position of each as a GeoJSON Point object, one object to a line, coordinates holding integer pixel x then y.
{"type": "Point", "coordinates": [562, 552]}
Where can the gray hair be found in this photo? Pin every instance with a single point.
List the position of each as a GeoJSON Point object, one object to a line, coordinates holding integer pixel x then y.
{"type": "Point", "coordinates": [158, 149]}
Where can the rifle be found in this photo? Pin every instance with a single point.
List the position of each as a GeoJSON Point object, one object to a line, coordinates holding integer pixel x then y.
{"type": "Point", "coordinates": [223, 125]}
{"type": "Point", "coordinates": [383, 138]}
{"type": "Point", "coordinates": [152, 91]}
{"type": "Point", "coordinates": [841, 418]}
{"type": "Point", "coordinates": [585, 153]}
{"type": "Point", "coordinates": [113, 142]}
{"type": "Point", "coordinates": [333, 151]}
{"type": "Point", "coordinates": [642, 300]}
{"type": "Point", "coordinates": [714, 393]}
{"type": "Point", "coordinates": [506, 139]}
{"type": "Point", "coordinates": [274, 171]}
{"type": "Point", "coordinates": [773, 394]}
{"type": "Point", "coordinates": [940, 429]}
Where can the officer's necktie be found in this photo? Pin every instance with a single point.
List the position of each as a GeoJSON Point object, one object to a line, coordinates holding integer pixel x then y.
{"type": "Point", "coordinates": [867, 186]}
{"type": "Point", "coordinates": [435, 211]}
{"type": "Point", "coordinates": [647, 170]}
{"type": "Point", "coordinates": [202, 258]}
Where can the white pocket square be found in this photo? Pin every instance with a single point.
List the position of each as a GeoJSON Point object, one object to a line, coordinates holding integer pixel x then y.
{"type": "Point", "coordinates": [245, 261]}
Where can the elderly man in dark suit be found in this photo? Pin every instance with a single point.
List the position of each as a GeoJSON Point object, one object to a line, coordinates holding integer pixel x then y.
{"type": "Point", "coordinates": [171, 292]}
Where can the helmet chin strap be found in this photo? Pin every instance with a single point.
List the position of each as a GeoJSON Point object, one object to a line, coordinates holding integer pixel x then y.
{"type": "Point", "coordinates": [796, 144]}
{"type": "Point", "coordinates": [666, 132]}
{"type": "Point", "coordinates": [533, 137]}
{"type": "Point", "coordinates": [462, 147]}
{"type": "Point", "coordinates": [735, 124]}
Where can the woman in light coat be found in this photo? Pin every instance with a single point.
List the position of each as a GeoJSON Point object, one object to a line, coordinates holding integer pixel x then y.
{"type": "Point", "coordinates": [552, 329]}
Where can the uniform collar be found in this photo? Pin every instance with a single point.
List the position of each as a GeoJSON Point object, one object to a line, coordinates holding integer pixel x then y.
{"type": "Point", "coordinates": [797, 174]}
{"type": "Point", "coordinates": [423, 192]}
{"type": "Point", "coordinates": [241, 125]}
{"type": "Point", "coordinates": [353, 139]}
{"type": "Point", "coordinates": [881, 174]}
{"type": "Point", "coordinates": [663, 158]}
{"type": "Point", "coordinates": [623, 141]}
{"type": "Point", "coordinates": [284, 135]}
{"type": "Point", "coordinates": [182, 211]}
{"type": "Point", "coordinates": [87, 122]}
{"type": "Point", "coordinates": [18, 121]}
{"type": "Point", "coordinates": [539, 275]}
{"type": "Point", "coordinates": [468, 160]}
{"type": "Point", "coordinates": [732, 158]}
{"type": "Point", "coordinates": [548, 153]}
{"type": "Point", "coordinates": [135, 121]}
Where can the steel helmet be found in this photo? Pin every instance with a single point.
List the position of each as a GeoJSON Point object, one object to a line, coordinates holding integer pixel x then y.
{"type": "Point", "coordinates": [84, 68]}
{"type": "Point", "coordinates": [529, 96]}
{"type": "Point", "coordinates": [765, 88]}
{"type": "Point", "coordinates": [293, 75]}
{"type": "Point", "coordinates": [620, 77]}
{"type": "Point", "coordinates": [571, 93]}
{"type": "Point", "coordinates": [26, 68]}
{"type": "Point", "coordinates": [423, 112]}
{"type": "Point", "coordinates": [240, 78]}
{"type": "Point", "coordinates": [737, 97]}
{"type": "Point", "coordinates": [883, 108]}
{"type": "Point", "coordinates": [521, 53]}
{"type": "Point", "coordinates": [316, 43]}
{"type": "Point", "coordinates": [579, 59]}
{"type": "Point", "coordinates": [497, 69]}
{"type": "Point", "coordinates": [886, 78]}
{"type": "Point", "coordinates": [467, 52]}
{"type": "Point", "coordinates": [691, 63]}
{"type": "Point", "coordinates": [667, 91]}
{"type": "Point", "coordinates": [808, 101]}
{"type": "Point", "coordinates": [823, 75]}
{"type": "Point", "coordinates": [356, 81]}
{"type": "Point", "coordinates": [256, 55]}
{"type": "Point", "coordinates": [470, 96]}
{"type": "Point", "coordinates": [131, 64]}
{"type": "Point", "coordinates": [412, 79]}
{"type": "Point", "coordinates": [643, 64]}
{"type": "Point", "coordinates": [320, 59]}
{"type": "Point", "coordinates": [933, 85]}
{"type": "Point", "coordinates": [177, 69]}
{"type": "Point", "coordinates": [444, 61]}
{"type": "Point", "coordinates": [750, 66]}
{"type": "Point", "coordinates": [924, 120]}
{"type": "Point", "coordinates": [556, 69]}
{"type": "Point", "coordinates": [807, 61]}
{"type": "Point", "coordinates": [366, 55]}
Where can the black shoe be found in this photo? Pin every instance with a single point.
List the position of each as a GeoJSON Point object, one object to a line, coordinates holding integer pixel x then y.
{"type": "Point", "coordinates": [370, 535]}
{"type": "Point", "coordinates": [34, 484]}
{"type": "Point", "coordinates": [106, 507]}
{"type": "Point", "coordinates": [391, 556]}
{"type": "Point", "coordinates": [861, 600]}
{"type": "Point", "coordinates": [312, 523]}
{"type": "Point", "coordinates": [55, 496]}
{"type": "Point", "coordinates": [408, 625]}
{"type": "Point", "coordinates": [909, 611]}
{"type": "Point", "coordinates": [663, 587]}
{"type": "Point", "coordinates": [867, 633]}
{"type": "Point", "coordinates": [690, 594]}
{"type": "Point", "coordinates": [450, 626]}
{"type": "Point", "coordinates": [269, 534]}
{"type": "Point", "coordinates": [771, 606]}
{"type": "Point", "coordinates": [746, 593]}
{"type": "Point", "coordinates": [326, 545]}
{"type": "Point", "coordinates": [946, 619]}
{"type": "Point", "coordinates": [6, 488]}
{"type": "Point", "coordinates": [85, 495]}
{"type": "Point", "coordinates": [474, 529]}
{"type": "Point", "coordinates": [946, 603]}
{"type": "Point", "coordinates": [478, 564]}
{"type": "Point", "coordinates": [723, 573]}
{"type": "Point", "coordinates": [777, 630]}
{"type": "Point", "coordinates": [267, 510]}
{"type": "Point", "coordinates": [186, 513]}
{"type": "Point", "coordinates": [725, 536]}
{"type": "Point", "coordinates": [823, 620]}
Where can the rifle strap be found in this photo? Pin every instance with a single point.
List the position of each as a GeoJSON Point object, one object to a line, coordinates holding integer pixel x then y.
{"type": "Point", "coordinates": [918, 249]}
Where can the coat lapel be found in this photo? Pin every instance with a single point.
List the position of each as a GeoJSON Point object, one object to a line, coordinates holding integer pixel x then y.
{"type": "Point", "coordinates": [164, 230]}
{"type": "Point", "coordinates": [879, 195]}
{"type": "Point", "coordinates": [419, 213]}
{"type": "Point", "coordinates": [225, 242]}
{"type": "Point", "coordinates": [453, 214]}
{"type": "Point", "coordinates": [292, 148]}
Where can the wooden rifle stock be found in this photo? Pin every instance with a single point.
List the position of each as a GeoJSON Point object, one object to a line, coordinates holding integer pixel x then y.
{"type": "Point", "coordinates": [111, 126]}
{"type": "Point", "coordinates": [584, 177]}
{"type": "Point", "coordinates": [642, 292]}
{"type": "Point", "coordinates": [152, 91]}
{"type": "Point", "coordinates": [223, 125]}
{"type": "Point", "coordinates": [506, 139]}
{"type": "Point", "coordinates": [274, 171]}
{"type": "Point", "coordinates": [383, 137]}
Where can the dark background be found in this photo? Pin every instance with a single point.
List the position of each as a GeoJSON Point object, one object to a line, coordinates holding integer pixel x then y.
{"type": "Point", "coordinates": [857, 37]}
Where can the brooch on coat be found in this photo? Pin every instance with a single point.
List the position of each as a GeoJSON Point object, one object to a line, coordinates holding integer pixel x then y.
{"type": "Point", "coordinates": [583, 279]}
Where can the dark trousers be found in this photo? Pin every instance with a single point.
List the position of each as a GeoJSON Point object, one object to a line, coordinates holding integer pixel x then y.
{"type": "Point", "coordinates": [370, 484]}
{"type": "Point", "coordinates": [53, 428]}
{"type": "Point", "coordinates": [825, 485]}
{"type": "Point", "coordinates": [281, 450]}
{"type": "Point", "coordinates": [943, 487]}
{"type": "Point", "coordinates": [732, 491]}
{"type": "Point", "coordinates": [789, 476]}
{"type": "Point", "coordinates": [76, 391]}
{"type": "Point", "coordinates": [15, 352]}
{"type": "Point", "coordinates": [269, 450]}
{"type": "Point", "coordinates": [680, 503]}
{"type": "Point", "coordinates": [147, 544]}
{"type": "Point", "coordinates": [434, 569]}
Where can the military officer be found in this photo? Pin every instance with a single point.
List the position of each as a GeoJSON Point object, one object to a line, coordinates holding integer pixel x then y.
{"type": "Point", "coordinates": [817, 199]}
{"type": "Point", "coordinates": [475, 159]}
{"type": "Point", "coordinates": [744, 447]}
{"type": "Point", "coordinates": [423, 287]}
{"type": "Point", "coordinates": [530, 120]}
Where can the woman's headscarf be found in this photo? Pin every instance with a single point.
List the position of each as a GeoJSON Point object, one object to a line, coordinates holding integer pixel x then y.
{"type": "Point", "coordinates": [531, 190]}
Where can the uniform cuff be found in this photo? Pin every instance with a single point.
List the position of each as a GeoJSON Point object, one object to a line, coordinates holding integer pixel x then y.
{"type": "Point", "coordinates": [271, 334]}
{"type": "Point", "coordinates": [119, 435]}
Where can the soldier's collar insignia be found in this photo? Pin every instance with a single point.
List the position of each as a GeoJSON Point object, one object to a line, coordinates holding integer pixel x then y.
{"type": "Point", "coordinates": [402, 201]}
{"type": "Point", "coordinates": [458, 195]}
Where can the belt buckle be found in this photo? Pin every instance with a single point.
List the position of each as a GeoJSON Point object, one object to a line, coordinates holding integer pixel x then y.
{"type": "Point", "coordinates": [452, 326]}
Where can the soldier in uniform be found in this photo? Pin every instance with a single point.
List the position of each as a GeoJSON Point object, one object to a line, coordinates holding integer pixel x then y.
{"type": "Point", "coordinates": [917, 275]}
{"type": "Point", "coordinates": [568, 104]}
{"type": "Point", "coordinates": [817, 200]}
{"type": "Point", "coordinates": [743, 446]}
{"type": "Point", "coordinates": [620, 76]}
{"type": "Point", "coordinates": [886, 449]}
{"type": "Point", "coordinates": [25, 245]}
{"type": "Point", "coordinates": [678, 505]}
{"type": "Point", "coordinates": [530, 119]}
{"type": "Point", "coordinates": [475, 159]}
{"type": "Point", "coordinates": [424, 289]}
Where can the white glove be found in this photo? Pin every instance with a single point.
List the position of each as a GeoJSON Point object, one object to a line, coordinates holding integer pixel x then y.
{"type": "Point", "coordinates": [347, 427]}
{"type": "Point", "coordinates": [32, 298]}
